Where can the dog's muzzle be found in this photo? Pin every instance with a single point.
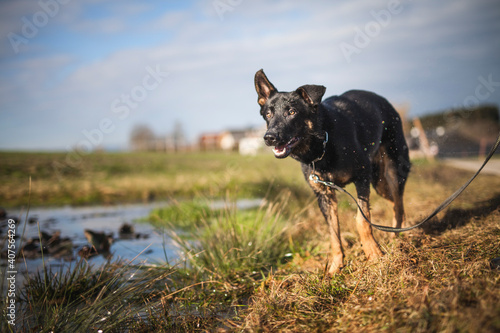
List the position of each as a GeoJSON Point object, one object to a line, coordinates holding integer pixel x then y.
{"type": "Point", "coordinates": [270, 139]}
{"type": "Point", "coordinates": [280, 150]}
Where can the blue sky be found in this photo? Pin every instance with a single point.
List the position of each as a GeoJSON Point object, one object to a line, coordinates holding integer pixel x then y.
{"type": "Point", "coordinates": [88, 71]}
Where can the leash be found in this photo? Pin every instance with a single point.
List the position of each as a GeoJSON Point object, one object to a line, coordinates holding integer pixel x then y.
{"type": "Point", "coordinates": [324, 149]}
{"type": "Point", "coordinates": [440, 208]}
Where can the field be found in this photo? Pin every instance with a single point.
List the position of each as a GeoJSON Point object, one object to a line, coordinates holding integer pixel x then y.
{"type": "Point", "coordinates": [139, 177]}
{"type": "Point", "coordinates": [261, 270]}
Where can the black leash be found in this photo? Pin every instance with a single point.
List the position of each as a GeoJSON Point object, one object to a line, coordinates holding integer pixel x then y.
{"type": "Point", "coordinates": [445, 203]}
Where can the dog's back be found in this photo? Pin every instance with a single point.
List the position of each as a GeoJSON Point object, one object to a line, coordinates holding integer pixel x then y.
{"type": "Point", "coordinates": [377, 126]}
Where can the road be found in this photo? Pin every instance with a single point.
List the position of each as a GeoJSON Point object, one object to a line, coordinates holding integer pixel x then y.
{"type": "Point", "coordinates": [492, 168]}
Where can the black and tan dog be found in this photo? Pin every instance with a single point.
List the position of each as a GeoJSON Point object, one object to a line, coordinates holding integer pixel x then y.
{"type": "Point", "coordinates": [355, 137]}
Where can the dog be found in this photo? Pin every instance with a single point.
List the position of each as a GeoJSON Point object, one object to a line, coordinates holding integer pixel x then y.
{"type": "Point", "coordinates": [356, 137]}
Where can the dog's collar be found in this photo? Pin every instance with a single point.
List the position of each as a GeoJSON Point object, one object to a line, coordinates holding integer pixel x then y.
{"type": "Point", "coordinates": [324, 149]}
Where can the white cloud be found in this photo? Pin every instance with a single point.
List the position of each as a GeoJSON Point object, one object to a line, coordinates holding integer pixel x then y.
{"type": "Point", "coordinates": [108, 25]}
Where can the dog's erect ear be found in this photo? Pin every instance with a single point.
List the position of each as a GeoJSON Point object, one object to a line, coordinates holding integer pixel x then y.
{"type": "Point", "coordinates": [264, 88]}
{"type": "Point", "coordinates": [312, 94]}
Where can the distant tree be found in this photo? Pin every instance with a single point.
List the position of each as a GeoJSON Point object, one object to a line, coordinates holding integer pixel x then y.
{"type": "Point", "coordinates": [142, 138]}
{"type": "Point", "coordinates": [178, 136]}
{"type": "Point", "coordinates": [451, 117]}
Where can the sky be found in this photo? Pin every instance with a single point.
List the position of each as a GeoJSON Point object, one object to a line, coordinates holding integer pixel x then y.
{"type": "Point", "coordinates": [84, 73]}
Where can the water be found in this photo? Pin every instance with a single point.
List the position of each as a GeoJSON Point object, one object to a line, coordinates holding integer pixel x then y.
{"type": "Point", "coordinates": [149, 245]}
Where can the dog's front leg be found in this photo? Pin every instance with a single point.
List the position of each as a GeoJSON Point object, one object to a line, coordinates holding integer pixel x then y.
{"type": "Point", "coordinates": [370, 246]}
{"type": "Point", "coordinates": [327, 201]}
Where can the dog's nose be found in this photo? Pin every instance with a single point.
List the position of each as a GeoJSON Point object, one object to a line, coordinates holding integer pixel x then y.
{"type": "Point", "coordinates": [270, 139]}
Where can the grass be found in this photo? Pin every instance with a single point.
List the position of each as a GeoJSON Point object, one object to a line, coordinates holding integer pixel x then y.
{"type": "Point", "coordinates": [109, 298]}
{"type": "Point", "coordinates": [186, 215]}
{"type": "Point", "coordinates": [423, 284]}
{"type": "Point", "coordinates": [107, 178]}
{"type": "Point", "coordinates": [236, 244]}
{"type": "Point", "coordinates": [263, 269]}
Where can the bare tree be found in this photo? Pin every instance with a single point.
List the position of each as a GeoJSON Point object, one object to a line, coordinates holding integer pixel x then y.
{"type": "Point", "coordinates": [178, 136]}
{"type": "Point", "coordinates": [142, 138]}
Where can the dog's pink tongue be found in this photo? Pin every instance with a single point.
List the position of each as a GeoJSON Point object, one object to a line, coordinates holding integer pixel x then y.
{"type": "Point", "coordinates": [280, 150]}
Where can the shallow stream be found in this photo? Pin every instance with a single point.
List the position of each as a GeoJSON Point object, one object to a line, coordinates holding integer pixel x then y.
{"type": "Point", "coordinates": [146, 245]}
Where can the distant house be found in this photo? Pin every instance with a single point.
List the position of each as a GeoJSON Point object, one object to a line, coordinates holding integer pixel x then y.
{"type": "Point", "coordinates": [253, 142]}
{"type": "Point", "coordinates": [246, 141]}
{"type": "Point", "coordinates": [251, 145]}
{"type": "Point", "coordinates": [230, 140]}
{"type": "Point", "coordinates": [210, 141]}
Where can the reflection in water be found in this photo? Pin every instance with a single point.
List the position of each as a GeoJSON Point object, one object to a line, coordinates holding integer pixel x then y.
{"type": "Point", "coordinates": [95, 233]}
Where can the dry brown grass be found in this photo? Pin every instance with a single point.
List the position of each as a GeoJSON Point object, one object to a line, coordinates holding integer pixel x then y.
{"type": "Point", "coordinates": [436, 279]}
{"type": "Point", "coordinates": [423, 284]}
{"type": "Point", "coordinates": [433, 280]}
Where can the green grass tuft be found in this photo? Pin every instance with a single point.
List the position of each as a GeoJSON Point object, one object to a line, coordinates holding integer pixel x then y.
{"type": "Point", "coordinates": [186, 215]}
{"type": "Point", "coordinates": [230, 243]}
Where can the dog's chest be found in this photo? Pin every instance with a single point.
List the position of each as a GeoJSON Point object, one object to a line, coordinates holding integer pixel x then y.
{"type": "Point", "coordinates": [339, 177]}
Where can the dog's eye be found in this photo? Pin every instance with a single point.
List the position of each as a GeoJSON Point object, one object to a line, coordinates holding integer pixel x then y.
{"type": "Point", "coordinates": [269, 115]}
{"type": "Point", "coordinates": [292, 112]}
